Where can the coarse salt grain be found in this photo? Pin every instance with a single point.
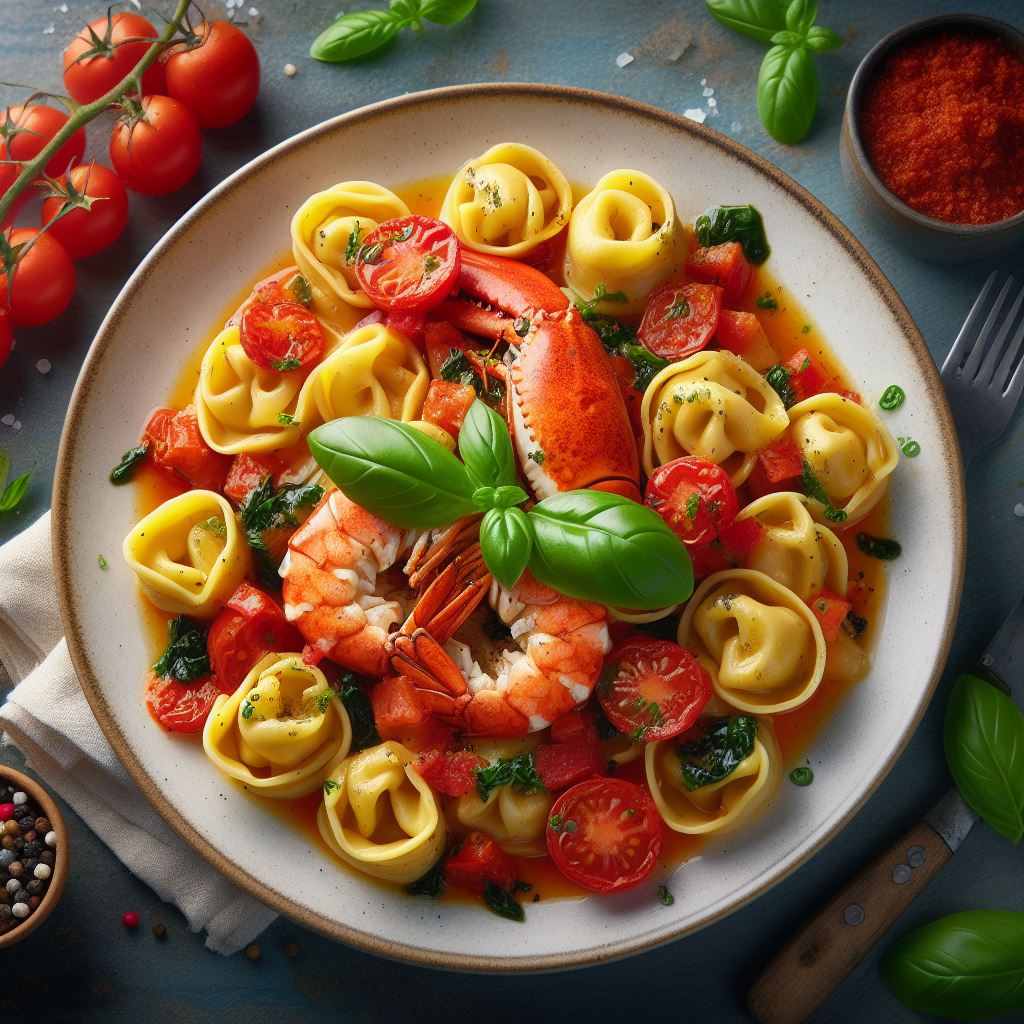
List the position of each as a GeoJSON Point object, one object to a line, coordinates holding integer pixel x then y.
{"type": "Point", "coordinates": [708, 91]}
{"type": "Point", "coordinates": [712, 103]}
{"type": "Point", "coordinates": [735, 126]}
{"type": "Point", "coordinates": [1018, 510]}
{"type": "Point", "coordinates": [8, 419]}
{"type": "Point", "coordinates": [695, 114]}
{"type": "Point", "coordinates": [44, 365]}
{"type": "Point", "coordinates": [63, 8]}
{"type": "Point", "coordinates": [49, 30]}
{"type": "Point", "coordinates": [291, 70]}
{"type": "Point", "coordinates": [16, 424]}
{"type": "Point", "coordinates": [623, 59]}
{"type": "Point", "coordinates": [253, 12]}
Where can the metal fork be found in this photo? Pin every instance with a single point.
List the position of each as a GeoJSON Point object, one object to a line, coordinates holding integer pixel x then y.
{"type": "Point", "coordinates": [984, 371]}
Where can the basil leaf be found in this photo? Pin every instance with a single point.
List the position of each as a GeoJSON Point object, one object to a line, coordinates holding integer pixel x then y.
{"type": "Point", "coordinates": [12, 494]}
{"type": "Point", "coordinates": [264, 510]}
{"type": "Point", "coordinates": [360, 713]}
{"type": "Point", "coordinates": [822, 40]}
{"type": "Point", "coordinates": [778, 377]}
{"type": "Point", "coordinates": [125, 469]}
{"type": "Point", "coordinates": [801, 15]}
{"type": "Point", "coordinates": [984, 740]}
{"type": "Point", "coordinates": [603, 547]}
{"type": "Point", "coordinates": [486, 448]}
{"type": "Point", "coordinates": [446, 12]}
{"type": "Point", "coordinates": [646, 365]}
{"type": "Point", "coordinates": [502, 902]}
{"type": "Point", "coordinates": [742, 224]}
{"type": "Point", "coordinates": [355, 35]}
{"type": "Point", "coordinates": [394, 470]}
{"type": "Point", "coordinates": [965, 966]}
{"type": "Point", "coordinates": [758, 19]}
{"type": "Point", "coordinates": [506, 542]}
{"type": "Point", "coordinates": [5, 467]}
{"type": "Point", "coordinates": [431, 884]}
{"type": "Point", "coordinates": [787, 92]}
{"type": "Point", "coordinates": [717, 754]}
{"type": "Point", "coordinates": [519, 771]}
{"type": "Point", "coordinates": [185, 658]}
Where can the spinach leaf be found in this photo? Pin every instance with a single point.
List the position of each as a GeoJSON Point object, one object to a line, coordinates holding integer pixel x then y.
{"type": "Point", "coordinates": [743, 224]}
{"type": "Point", "coordinates": [506, 542]}
{"type": "Point", "coordinates": [486, 448]}
{"type": "Point", "coordinates": [458, 368]}
{"type": "Point", "coordinates": [502, 902]}
{"type": "Point", "coordinates": [984, 740]}
{"type": "Point", "coordinates": [125, 469]}
{"type": "Point", "coordinates": [815, 489]}
{"type": "Point", "coordinates": [717, 754]}
{"type": "Point", "coordinates": [787, 92]}
{"type": "Point", "coordinates": [646, 365]}
{"type": "Point", "coordinates": [431, 884]}
{"type": "Point", "coordinates": [758, 19]}
{"type": "Point", "coordinates": [778, 378]}
{"type": "Point", "coordinates": [360, 713]}
{"type": "Point", "coordinates": [965, 966]}
{"type": "Point", "coordinates": [884, 548]}
{"type": "Point", "coordinates": [520, 771]}
{"type": "Point", "coordinates": [13, 492]}
{"type": "Point", "coordinates": [265, 509]}
{"type": "Point", "coordinates": [185, 657]}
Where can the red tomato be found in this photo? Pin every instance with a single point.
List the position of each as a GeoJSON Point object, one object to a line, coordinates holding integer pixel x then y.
{"type": "Point", "coordinates": [283, 337]}
{"type": "Point", "coordinates": [409, 263]}
{"type": "Point", "coordinates": [680, 319]}
{"type": "Point", "coordinates": [451, 773]}
{"type": "Point", "coordinates": [105, 52]}
{"type": "Point", "coordinates": [247, 473]}
{"type": "Point", "coordinates": [447, 404]}
{"type": "Point", "coordinates": [425, 737]}
{"type": "Point", "coordinates": [39, 124]}
{"type": "Point", "coordinates": [44, 280]}
{"type": "Point", "coordinates": [806, 378]}
{"type": "Point", "coordinates": [409, 323]}
{"type": "Point", "coordinates": [658, 689]}
{"type": "Point", "coordinates": [604, 834]}
{"type": "Point", "coordinates": [215, 73]}
{"type": "Point", "coordinates": [695, 497]}
{"type": "Point", "coordinates": [724, 265]}
{"type": "Point", "coordinates": [177, 446]}
{"type": "Point", "coordinates": [440, 337]}
{"type": "Point", "coordinates": [86, 232]}
{"type": "Point", "coordinates": [733, 544]}
{"type": "Point", "coordinates": [396, 706]}
{"type": "Point", "coordinates": [478, 861]}
{"type": "Point", "coordinates": [182, 707]}
{"type": "Point", "coordinates": [564, 764]}
{"type": "Point", "coordinates": [830, 610]}
{"type": "Point", "coordinates": [6, 335]}
{"type": "Point", "coordinates": [781, 460]}
{"type": "Point", "coordinates": [739, 332]}
{"type": "Point", "coordinates": [157, 151]}
{"type": "Point", "coordinates": [8, 175]}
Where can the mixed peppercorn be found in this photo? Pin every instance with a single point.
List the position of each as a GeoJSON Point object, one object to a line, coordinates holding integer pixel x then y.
{"type": "Point", "coordinates": [28, 852]}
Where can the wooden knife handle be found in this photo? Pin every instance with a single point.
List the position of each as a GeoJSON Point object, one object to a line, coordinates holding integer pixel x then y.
{"type": "Point", "coordinates": [806, 971]}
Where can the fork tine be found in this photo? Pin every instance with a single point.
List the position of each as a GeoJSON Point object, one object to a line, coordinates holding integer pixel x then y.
{"type": "Point", "coordinates": [1016, 385]}
{"type": "Point", "coordinates": [959, 349]}
{"type": "Point", "coordinates": [1014, 354]}
{"type": "Point", "coordinates": [984, 341]}
{"type": "Point", "coordinates": [987, 373]}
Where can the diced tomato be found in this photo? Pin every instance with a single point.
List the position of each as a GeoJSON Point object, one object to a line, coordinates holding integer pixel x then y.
{"type": "Point", "coordinates": [561, 765]}
{"type": "Point", "coordinates": [447, 404]}
{"type": "Point", "coordinates": [440, 337]}
{"type": "Point", "coordinates": [733, 544]}
{"type": "Point", "coordinates": [625, 377]}
{"type": "Point", "coordinates": [739, 332]}
{"type": "Point", "coordinates": [781, 460]}
{"type": "Point", "coordinates": [724, 265]}
{"type": "Point", "coordinates": [480, 860]}
{"type": "Point", "coordinates": [707, 560]}
{"type": "Point", "coordinates": [407, 323]}
{"type": "Point", "coordinates": [452, 773]}
{"type": "Point", "coordinates": [806, 378]}
{"type": "Point", "coordinates": [396, 705]}
{"type": "Point", "coordinates": [182, 707]}
{"type": "Point", "coordinates": [680, 319]}
{"type": "Point", "coordinates": [830, 610]}
{"type": "Point", "coordinates": [694, 497]}
{"type": "Point", "coordinates": [575, 725]}
{"type": "Point", "coordinates": [177, 446]}
{"type": "Point", "coordinates": [853, 396]}
{"type": "Point", "coordinates": [247, 472]}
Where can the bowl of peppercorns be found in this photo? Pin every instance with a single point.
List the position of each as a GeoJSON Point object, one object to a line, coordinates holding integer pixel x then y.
{"type": "Point", "coordinates": [33, 856]}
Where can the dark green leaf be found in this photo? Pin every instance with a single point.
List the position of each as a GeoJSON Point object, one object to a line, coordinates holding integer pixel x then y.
{"type": "Point", "coordinates": [520, 771]}
{"type": "Point", "coordinates": [717, 754]}
{"type": "Point", "coordinates": [787, 38]}
{"type": "Point", "coordinates": [459, 369]}
{"type": "Point", "coordinates": [431, 884]}
{"type": "Point", "coordinates": [787, 92]}
{"type": "Point", "coordinates": [603, 547]}
{"type": "Point", "coordinates": [446, 12]}
{"type": "Point", "coordinates": [822, 40]}
{"type": "Point", "coordinates": [355, 35]}
{"type": "Point", "coordinates": [265, 509]}
{"type": "Point", "coordinates": [984, 741]}
{"type": "Point", "coordinates": [125, 469]}
{"type": "Point", "coordinates": [646, 365]}
{"type": "Point", "coordinates": [758, 19]}
{"type": "Point", "coordinates": [502, 902]}
{"type": "Point", "coordinates": [815, 489]}
{"type": "Point", "coordinates": [299, 287]}
{"type": "Point", "coordinates": [360, 714]}
{"type": "Point", "coordinates": [665, 898]}
{"type": "Point", "coordinates": [185, 657]}
{"type": "Point", "coordinates": [486, 448]}
{"type": "Point", "coordinates": [12, 494]}
{"type": "Point", "coordinates": [879, 547]}
{"type": "Point", "coordinates": [966, 966]}
{"type": "Point", "coordinates": [801, 15]}
{"type": "Point", "coordinates": [394, 470]}
{"type": "Point", "coordinates": [506, 542]}
{"type": "Point", "coordinates": [742, 224]}
{"type": "Point", "coordinates": [778, 379]}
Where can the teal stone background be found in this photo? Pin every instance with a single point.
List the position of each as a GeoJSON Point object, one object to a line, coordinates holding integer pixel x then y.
{"type": "Point", "coordinates": [83, 966]}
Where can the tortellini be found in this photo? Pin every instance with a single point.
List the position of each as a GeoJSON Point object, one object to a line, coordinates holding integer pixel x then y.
{"type": "Point", "coordinates": [189, 554]}
{"type": "Point", "coordinates": [761, 645]}
{"type": "Point", "coordinates": [280, 729]}
{"type": "Point", "coordinates": [623, 235]}
{"type": "Point", "coordinates": [712, 405]}
{"type": "Point", "coordinates": [326, 230]}
{"type": "Point", "coordinates": [507, 201]}
{"type": "Point", "coordinates": [513, 818]}
{"type": "Point", "coordinates": [380, 816]}
{"type": "Point", "coordinates": [374, 372]}
{"type": "Point", "coordinates": [802, 555]}
{"type": "Point", "coordinates": [849, 450]}
{"type": "Point", "coordinates": [722, 805]}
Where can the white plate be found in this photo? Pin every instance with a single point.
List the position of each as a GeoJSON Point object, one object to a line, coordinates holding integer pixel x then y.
{"type": "Point", "coordinates": [175, 297]}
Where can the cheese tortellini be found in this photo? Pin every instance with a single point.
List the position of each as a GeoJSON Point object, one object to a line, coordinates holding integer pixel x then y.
{"type": "Point", "coordinates": [712, 405]}
{"type": "Point", "coordinates": [761, 645]}
{"type": "Point", "coordinates": [720, 804]}
{"type": "Point", "coordinates": [849, 450]}
{"type": "Point", "coordinates": [380, 816]}
{"type": "Point", "coordinates": [623, 235]}
{"type": "Point", "coordinates": [280, 729]}
{"type": "Point", "coordinates": [189, 554]}
{"type": "Point", "coordinates": [507, 201]}
{"type": "Point", "coordinates": [513, 818]}
{"type": "Point", "coordinates": [326, 230]}
{"type": "Point", "coordinates": [793, 549]}
{"type": "Point", "coordinates": [373, 372]}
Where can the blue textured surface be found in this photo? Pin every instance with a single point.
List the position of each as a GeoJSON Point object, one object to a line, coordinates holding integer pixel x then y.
{"type": "Point", "coordinates": [83, 966]}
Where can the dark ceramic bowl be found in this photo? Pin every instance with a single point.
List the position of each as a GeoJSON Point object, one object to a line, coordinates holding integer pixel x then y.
{"type": "Point", "coordinates": [925, 236]}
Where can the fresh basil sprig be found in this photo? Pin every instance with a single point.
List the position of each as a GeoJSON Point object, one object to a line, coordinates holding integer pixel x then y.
{"type": "Point", "coordinates": [506, 540]}
{"type": "Point", "coordinates": [489, 460]}
{"type": "Point", "coordinates": [362, 33]}
{"type": "Point", "coordinates": [965, 966]}
{"type": "Point", "coordinates": [759, 19]}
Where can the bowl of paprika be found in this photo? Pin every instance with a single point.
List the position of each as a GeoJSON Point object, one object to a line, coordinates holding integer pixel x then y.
{"type": "Point", "coordinates": [932, 140]}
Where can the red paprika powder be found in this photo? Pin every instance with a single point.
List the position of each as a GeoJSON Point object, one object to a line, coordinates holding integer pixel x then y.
{"type": "Point", "coordinates": [942, 121]}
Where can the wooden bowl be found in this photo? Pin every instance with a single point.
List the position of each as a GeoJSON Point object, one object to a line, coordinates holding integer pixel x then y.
{"type": "Point", "coordinates": [43, 800]}
{"type": "Point", "coordinates": [926, 236]}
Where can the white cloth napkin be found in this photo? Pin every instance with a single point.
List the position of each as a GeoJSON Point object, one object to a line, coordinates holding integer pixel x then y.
{"type": "Point", "coordinates": [49, 719]}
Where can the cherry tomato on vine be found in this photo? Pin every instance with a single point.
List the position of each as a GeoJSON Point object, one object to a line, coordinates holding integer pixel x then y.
{"type": "Point", "coordinates": [604, 834]}
{"type": "Point", "coordinates": [695, 498]}
{"type": "Point", "coordinates": [38, 124]}
{"type": "Point", "coordinates": [86, 232]}
{"type": "Point", "coordinates": [215, 73]}
{"type": "Point", "coordinates": [44, 280]}
{"type": "Point", "coordinates": [680, 319]}
{"type": "Point", "coordinates": [409, 263]}
{"type": "Point", "coordinates": [156, 149]}
{"type": "Point", "coordinates": [284, 336]}
{"type": "Point", "coordinates": [105, 51]}
{"type": "Point", "coordinates": [658, 690]}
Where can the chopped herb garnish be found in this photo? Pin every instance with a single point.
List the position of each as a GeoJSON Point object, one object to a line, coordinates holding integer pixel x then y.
{"type": "Point", "coordinates": [678, 308]}
{"type": "Point", "coordinates": [430, 263]}
{"type": "Point", "coordinates": [741, 224]}
{"type": "Point", "coordinates": [299, 287]}
{"type": "Point", "coordinates": [495, 197]}
{"type": "Point", "coordinates": [323, 702]}
{"type": "Point", "coordinates": [125, 469]}
{"type": "Point", "coordinates": [521, 325]}
{"type": "Point", "coordinates": [879, 547]}
{"type": "Point", "coordinates": [802, 776]}
{"type": "Point", "coordinates": [330, 785]}
{"type": "Point", "coordinates": [247, 710]}
{"type": "Point", "coordinates": [370, 253]}
{"type": "Point", "coordinates": [806, 329]}
{"type": "Point", "coordinates": [815, 489]}
{"type": "Point", "coordinates": [458, 368]}
{"type": "Point", "coordinates": [767, 301]}
{"type": "Point", "coordinates": [665, 898]}
{"type": "Point", "coordinates": [692, 506]}
{"type": "Point", "coordinates": [502, 902]}
{"type": "Point", "coordinates": [555, 823]}
{"type": "Point", "coordinates": [537, 456]}
{"type": "Point", "coordinates": [286, 365]}
{"type": "Point", "coordinates": [645, 364]}
{"type": "Point", "coordinates": [855, 625]}
{"type": "Point", "coordinates": [102, 562]}
{"type": "Point", "coordinates": [716, 755]}
{"type": "Point", "coordinates": [431, 884]}
{"type": "Point", "coordinates": [892, 397]}
{"type": "Point", "coordinates": [360, 714]}
{"type": "Point", "coordinates": [778, 378]}
{"type": "Point", "coordinates": [215, 526]}
{"type": "Point", "coordinates": [355, 238]}
{"type": "Point", "coordinates": [286, 419]}
{"type": "Point", "coordinates": [519, 771]}
{"type": "Point", "coordinates": [909, 447]}
{"type": "Point", "coordinates": [404, 235]}
{"type": "Point", "coordinates": [805, 365]}
{"type": "Point", "coordinates": [265, 509]}
{"type": "Point", "coordinates": [185, 657]}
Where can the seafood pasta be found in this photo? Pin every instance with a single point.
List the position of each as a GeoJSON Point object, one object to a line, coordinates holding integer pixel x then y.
{"type": "Point", "coordinates": [526, 530]}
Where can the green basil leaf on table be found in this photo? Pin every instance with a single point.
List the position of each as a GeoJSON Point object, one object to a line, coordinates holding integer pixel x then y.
{"type": "Point", "coordinates": [787, 93]}
{"type": "Point", "coordinates": [801, 15]}
{"type": "Point", "coordinates": [355, 35]}
{"type": "Point", "coordinates": [486, 448]}
{"type": "Point", "coordinates": [984, 740]}
{"type": "Point", "coordinates": [742, 224]}
{"type": "Point", "coordinates": [10, 497]}
{"type": "Point", "coordinates": [602, 547]}
{"type": "Point", "coordinates": [966, 966]}
{"type": "Point", "coordinates": [446, 12]}
{"type": "Point", "coordinates": [823, 40]}
{"type": "Point", "coordinates": [394, 470]}
{"type": "Point", "coordinates": [717, 754]}
{"type": "Point", "coordinates": [758, 19]}
{"type": "Point", "coordinates": [787, 38]}
{"type": "Point", "coordinates": [506, 542]}
{"type": "Point", "coordinates": [185, 658]}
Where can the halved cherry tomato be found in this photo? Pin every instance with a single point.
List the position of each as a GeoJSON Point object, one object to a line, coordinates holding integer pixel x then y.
{"type": "Point", "coordinates": [450, 772]}
{"type": "Point", "coordinates": [806, 378]}
{"type": "Point", "coordinates": [105, 51]}
{"type": "Point", "coordinates": [680, 319]}
{"type": "Point", "coordinates": [156, 149]}
{"type": "Point", "coordinates": [86, 232]}
{"type": "Point", "coordinates": [396, 706]}
{"type": "Point", "coordinates": [694, 497]}
{"type": "Point", "coordinates": [604, 834]}
{"type": "Point", "coordinates": [447, 404]}
{"type": "Point", "coordinates": [728, 550]}
{"type": "Point", "coordinates": [409, 263]}
{"type": "Point", "coordinates": [30, 127]}
{"type": "Point", "coordinates": [177, 446]}
{"type": "Point", "coordinates": [285, 336]}
{"type": "Point", "coordinates": [830, 610]}
{"type": "Point", "coordinates": [44, 280]}
{"type": "Point", "coordinates": [480, 860]}
{"type": "Point", "coordinates": [182, 707]}
{"type": "Point", "coordinates": [658, 689]}
{"type": "Point", "coordinates": [724, 265]}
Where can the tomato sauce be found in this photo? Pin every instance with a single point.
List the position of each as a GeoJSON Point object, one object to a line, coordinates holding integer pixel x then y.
{"type": "Point", "coordinates": [943, 125]}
